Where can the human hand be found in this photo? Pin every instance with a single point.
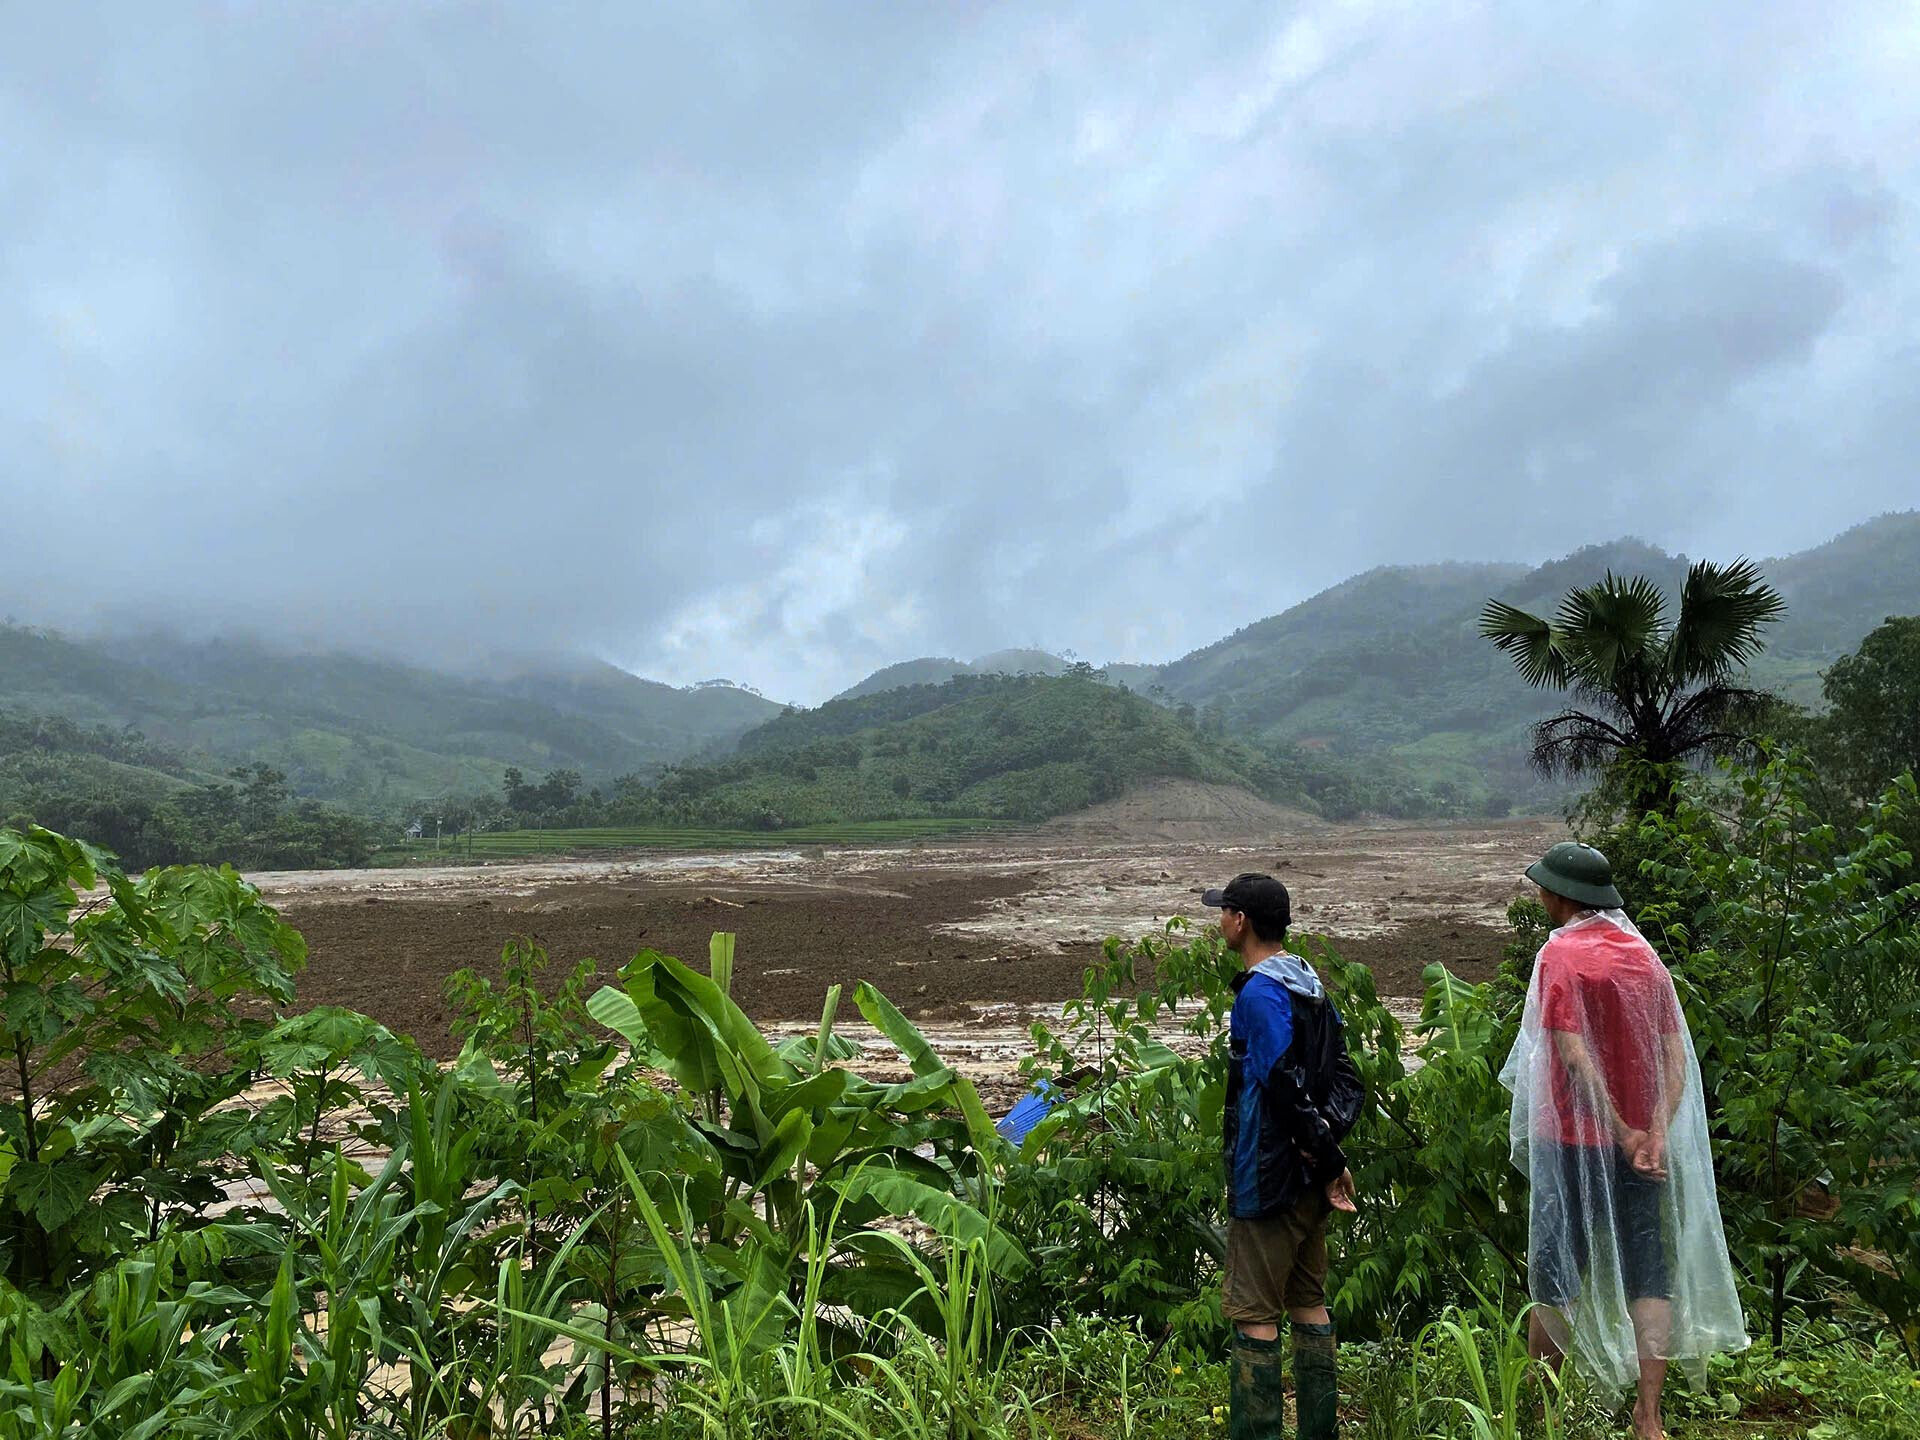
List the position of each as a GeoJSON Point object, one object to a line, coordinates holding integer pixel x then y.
{"type": "Point", "coordinates": [1340, 1193]}
{"type": "Point", "coordinates": [1631, 1141]}
{"type": "Point", "coordinates": [1650, 1159]}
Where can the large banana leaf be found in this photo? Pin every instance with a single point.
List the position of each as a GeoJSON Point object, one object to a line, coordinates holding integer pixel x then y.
{"type": "Point", "coordinates": [909, 1097]}
{"type": "Point", "coordinates": [615, 1010]}
{"type": "Point", "coordinates": [705, 1041]}
{"type": "Point", "coordinates": [905, 1194]}
{"type": "Point", "coordinates": [882, 1015]}
{"type": "Point", "coordinates": [806, 1053]}
{"type": "Point", "coordinates": [832, 1132]}
{"type": "Point", "coordinates": [1454, 1015]}
{"type": "Point", "coordinates": [819, 1091]}
{"type": "Point", "coordinates": [790, 1140]}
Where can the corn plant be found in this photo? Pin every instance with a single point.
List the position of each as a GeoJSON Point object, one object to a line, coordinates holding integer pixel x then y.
{"type": "Point", "coordinates": [1488, 1351]}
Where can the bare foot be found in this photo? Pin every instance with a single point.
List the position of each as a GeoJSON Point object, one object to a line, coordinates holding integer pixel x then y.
{"type": "Point", "coordinates": [1647, 1426]}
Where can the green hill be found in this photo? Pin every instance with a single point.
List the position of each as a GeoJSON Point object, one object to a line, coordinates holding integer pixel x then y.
{"type": "Point", "coordinates": [41, 752]}
{"type": "Point", "coordinates": [363, 733]}
{"type": "Point", "coordinates": [938, 669]}
{"type": "Point", "coordinates": [927, 670]}
{"type": "Point", "coordinates": [1377, 694]}
{"type": "Point", "coordinates": [1006, 747]}
{"type": "Point", "coordinates": [1842, 589]}
{"type": "Point", "coordinates": [1389, 668]}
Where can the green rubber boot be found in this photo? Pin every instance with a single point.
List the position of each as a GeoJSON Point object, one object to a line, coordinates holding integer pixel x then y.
{"type": "Point", "coordinates": [1316, 1387]}
{"type": "Point", "coordinates": [1257, 1397]}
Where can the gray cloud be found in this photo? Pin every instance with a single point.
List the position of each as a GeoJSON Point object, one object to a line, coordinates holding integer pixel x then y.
{"type": "Point", "coordinates": [784, 341]}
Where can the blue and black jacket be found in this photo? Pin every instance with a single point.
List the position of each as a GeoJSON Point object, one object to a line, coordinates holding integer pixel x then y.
{"type": "Point", "coordinates": [1292, 1092]}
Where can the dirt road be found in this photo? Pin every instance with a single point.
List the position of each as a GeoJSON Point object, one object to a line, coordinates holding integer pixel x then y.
{"type": "Point", "coordinates": [971, 937]}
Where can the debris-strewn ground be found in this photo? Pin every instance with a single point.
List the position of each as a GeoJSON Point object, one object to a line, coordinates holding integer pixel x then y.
{"type": "Point", "coordinates": [971, 938]}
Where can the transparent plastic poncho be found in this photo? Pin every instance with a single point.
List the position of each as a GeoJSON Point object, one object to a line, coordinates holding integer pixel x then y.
{"type": "Point", "coordinates": [1626, 1254]}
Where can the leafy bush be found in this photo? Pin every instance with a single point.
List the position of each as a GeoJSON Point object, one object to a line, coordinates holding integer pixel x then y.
{"type": "Point", "coordinates": [130, 1020]}
{"type": "Point", "coordinates": [1119, 1194]}
{"type": "Point", "coordinates": [1798, 956]}
{"type": "Point", "coordinates": [219, 1220]}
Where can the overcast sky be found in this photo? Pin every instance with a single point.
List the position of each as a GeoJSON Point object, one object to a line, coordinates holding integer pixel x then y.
{"type": "Point", "coordinates": [782, 341]}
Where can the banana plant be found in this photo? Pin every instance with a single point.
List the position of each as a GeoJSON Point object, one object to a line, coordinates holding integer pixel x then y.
{"type": "Point", "coordinates": [793, 1134]}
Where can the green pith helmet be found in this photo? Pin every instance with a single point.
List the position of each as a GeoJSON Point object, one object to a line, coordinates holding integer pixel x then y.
{"type": "Point", "coordinates": [1577, 872]}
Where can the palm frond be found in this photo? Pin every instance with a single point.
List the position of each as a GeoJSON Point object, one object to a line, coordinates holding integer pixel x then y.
{"type": "Point", "coordinates": [1613, 628]}
{"type": "Point", "coordinates": [1528, 640]}
{"type": "Point", "coordinates": [1574, 743]}
{"type": "Point", "coordinates": [1722, 611]}
{"type": "Point", "coordinates": [1713, 721]}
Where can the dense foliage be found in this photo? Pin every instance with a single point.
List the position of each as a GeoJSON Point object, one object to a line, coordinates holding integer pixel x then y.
{"type": "Point", "coordinates": [79, 780]}
{"type": "Point", "coordinates": [219, 1219]}
{"type": "Point", "coordinates": [372, 736]}
{"type": "Point", "coordinates": [213, 1218]}
{"type": "Point", "coordinates": [1798, 945]}
{"type": "Point", "coordinates": [1871, 728]}
{"type": "Point", "coordinates": [1024, 747]}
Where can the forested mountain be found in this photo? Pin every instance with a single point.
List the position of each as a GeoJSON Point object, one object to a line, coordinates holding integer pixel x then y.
{"type": "Point", "coordinates": [1377, 694]}
{"type": "Point", "coordinates": [1838, 591]}
{"type": "Point", "coordinates": [1391, 663]}
{"type": "Point", "coordinates": [1013, 747]}
{"type": "Point", "coordinates": [1387, 672]}
{"type": "Point", "coordinates": [368, 734]}
{"type": "Point", "coordinates": [938, 669]}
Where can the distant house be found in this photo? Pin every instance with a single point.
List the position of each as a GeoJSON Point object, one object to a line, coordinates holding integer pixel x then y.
{"type": "Point", "coordinates": [415, 830]}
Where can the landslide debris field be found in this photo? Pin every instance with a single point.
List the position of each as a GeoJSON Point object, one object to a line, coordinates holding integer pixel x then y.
{"type": "Point", "coordinates": [970, 938]}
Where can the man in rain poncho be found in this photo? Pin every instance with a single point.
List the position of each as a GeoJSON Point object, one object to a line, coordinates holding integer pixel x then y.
{"type": "Point", "coordinates": [1627, 1264]}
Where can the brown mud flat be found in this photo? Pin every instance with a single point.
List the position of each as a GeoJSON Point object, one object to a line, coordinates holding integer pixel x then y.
{"type": "Point", "coordinates": [391, 957]}
{"type": "Point", "coordinates": [974, 939]}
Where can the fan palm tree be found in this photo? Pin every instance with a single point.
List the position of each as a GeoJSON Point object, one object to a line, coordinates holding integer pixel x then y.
{"type": "Point", "coordinates": [1642, 687]}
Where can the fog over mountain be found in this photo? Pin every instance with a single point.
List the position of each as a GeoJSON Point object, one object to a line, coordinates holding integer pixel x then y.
{"type": "Point", "coordinates": [785, 342]}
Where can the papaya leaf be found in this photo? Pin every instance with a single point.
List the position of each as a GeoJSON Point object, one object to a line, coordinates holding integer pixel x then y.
{"type": "Point", "coordinates": [51, 1194]}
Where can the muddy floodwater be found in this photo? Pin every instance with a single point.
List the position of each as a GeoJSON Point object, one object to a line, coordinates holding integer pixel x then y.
{"type": "Point", "coordinates": [971, 939]}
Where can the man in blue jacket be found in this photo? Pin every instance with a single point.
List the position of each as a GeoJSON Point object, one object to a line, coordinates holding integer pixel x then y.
{"type": "Point", "coordinates": [1292, 1097]}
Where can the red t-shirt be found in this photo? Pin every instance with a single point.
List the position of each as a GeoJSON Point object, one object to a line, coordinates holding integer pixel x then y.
{"type": "Point", "coordinates": [1607, 986]}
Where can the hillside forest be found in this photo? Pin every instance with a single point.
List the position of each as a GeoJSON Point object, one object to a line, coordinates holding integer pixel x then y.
{"type": "Point", "coordinates": [624, 1209]}
{"type": "Point", "coordinates": [1376, 697]}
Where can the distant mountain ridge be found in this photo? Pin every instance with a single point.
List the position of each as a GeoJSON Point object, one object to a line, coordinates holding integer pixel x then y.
{"type": "Point", "coordinates": [1392, 663]}
{"type": "Point", "coordinates": [1389, 664]}
{"type": "Point", "coordinates": [995, 746]}
{"type": "Point", "coordinates": [1836, 591]}
{"type": "Point", "coordinates": [938, 669]}
{"type": "Point", "coordinates": [361, 732]}
{"type": "Point", "coordinates": [1382, 681]}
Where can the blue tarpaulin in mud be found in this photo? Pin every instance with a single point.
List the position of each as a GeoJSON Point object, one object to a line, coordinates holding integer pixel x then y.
{"type": "Point", "coordinates": [1031, 1110]}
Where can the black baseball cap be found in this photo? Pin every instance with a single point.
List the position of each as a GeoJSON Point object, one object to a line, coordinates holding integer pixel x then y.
{"type": "Point", "coordinates": [1260, 896]}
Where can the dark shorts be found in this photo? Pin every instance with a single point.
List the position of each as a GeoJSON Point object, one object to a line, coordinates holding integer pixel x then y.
{"type": "Point", "coordinates": [1276, 1264]}
{"type": "Point", "coordinates": [1596, 1188]}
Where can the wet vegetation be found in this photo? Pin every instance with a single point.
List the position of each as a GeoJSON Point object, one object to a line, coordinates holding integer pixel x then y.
{"type": "Point", "coordinates": [1376, 697]}
{"type": "Point", "coordinates": [622, 1209]}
